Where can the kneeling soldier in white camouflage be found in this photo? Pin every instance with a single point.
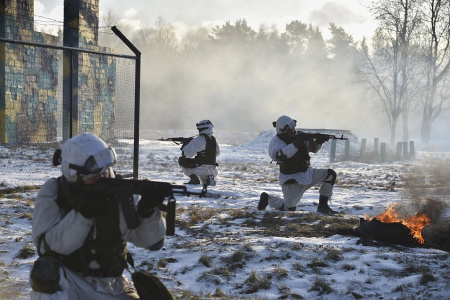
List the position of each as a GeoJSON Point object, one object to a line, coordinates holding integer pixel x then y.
{"type": "Point", "coordinates": [205, 148]}
{"type": "Point", "coordinates": [296, 175]}
{"type": "Point", "coordinates": [81, 240]}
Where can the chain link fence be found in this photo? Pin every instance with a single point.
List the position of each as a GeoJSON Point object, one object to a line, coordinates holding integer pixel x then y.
{"type": "Point", "coordinates": [50, 93]}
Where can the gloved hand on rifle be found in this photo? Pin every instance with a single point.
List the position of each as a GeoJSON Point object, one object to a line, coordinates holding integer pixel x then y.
{"type": "Point", "coordinates": [150, 199]}
{"type": "Point", "coordinates": [298, 142]}
{"type": "Point", "coordinates": [322, 139]}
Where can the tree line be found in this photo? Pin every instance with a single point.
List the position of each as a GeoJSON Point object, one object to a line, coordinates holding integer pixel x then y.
{"type": "Point", "coordinates": [402, 70]}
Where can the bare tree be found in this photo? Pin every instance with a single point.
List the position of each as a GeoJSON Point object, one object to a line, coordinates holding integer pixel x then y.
{"type": "Point", "coordinates": [195, 45]}
{"type": "Point", "coordinates": [436, 35]}
{"type": "Point", "coordinates": [388, 71]}
{"type": "Point", "coordinates": [106, 37]}
{"type": "Point", "coordinates": [164, 39]}
{"type": "Point", "coordinates": [143, 37]}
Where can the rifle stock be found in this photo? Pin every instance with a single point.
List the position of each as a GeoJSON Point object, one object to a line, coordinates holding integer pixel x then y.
{"type": "Point", "coordinates": [125, 189]}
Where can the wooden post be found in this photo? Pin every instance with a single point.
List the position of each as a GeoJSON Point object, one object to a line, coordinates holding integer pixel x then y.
{"type": "Point", "coordinates": [363, 148]}
{"type": "Point", "coordinates": [347, 150]}
{"type": "Point", "coordinates": [398, 154]}
{"type": "Point", "coordinates": [375, 145]}
{"type": "Point", "coordinates": [412, 150]}
{"type": "Point", "coordinates": [405, 151]}
{"type": "Point", "coordinates": [333, 150]}
{"type": "Point", "coordinates": [383, 152]}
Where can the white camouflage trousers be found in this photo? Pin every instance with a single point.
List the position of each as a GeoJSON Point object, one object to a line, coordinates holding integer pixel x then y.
{"type": "Point", "coordinates": [75, 287]}
{"type": "Point", "coordinates": [202, 172]}
{"type": "Point", "coordinates": [292, 193]}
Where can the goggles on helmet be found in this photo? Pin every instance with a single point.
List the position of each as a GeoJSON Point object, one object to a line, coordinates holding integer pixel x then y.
{"type": "Point", "coordinates": [289, 127]}
{"type": "Point", "coordinates": [97, 163]}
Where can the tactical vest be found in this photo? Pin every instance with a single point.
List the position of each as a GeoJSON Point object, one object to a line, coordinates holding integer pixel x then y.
{"type": "Point", "coordinates": [108, 248]}
{"type": "Point", "coordinates": [299, 162]}
{"type": "Point", "coordinates": [207, 156]}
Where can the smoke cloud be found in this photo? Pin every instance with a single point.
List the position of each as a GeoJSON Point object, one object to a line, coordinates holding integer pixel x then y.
{"type": "Point", "coordinates": [244, 87]}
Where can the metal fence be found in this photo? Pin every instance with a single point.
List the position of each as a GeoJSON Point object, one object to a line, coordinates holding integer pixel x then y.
{"type": "Point", "coordinates": [51, 93]}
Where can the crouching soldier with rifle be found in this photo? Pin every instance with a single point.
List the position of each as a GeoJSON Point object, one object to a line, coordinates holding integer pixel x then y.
{"type": "Point", "coordinates": [198, 155]}
{"type": "Point", "coordinates": [290, 149]}
{"type": "Point", "coordinates": [83, 220]}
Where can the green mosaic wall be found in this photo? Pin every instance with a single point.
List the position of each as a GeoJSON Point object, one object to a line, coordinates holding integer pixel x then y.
{"type": "Point", "coordinates": [29, 76]}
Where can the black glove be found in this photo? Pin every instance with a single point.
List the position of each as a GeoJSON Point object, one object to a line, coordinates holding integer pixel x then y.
{"type": "Point", "coordinates": [150, 199]}
{"type": "Point", "coordinates": [95, 205]}
{"type": "Point", "coordinates": [322, 139]}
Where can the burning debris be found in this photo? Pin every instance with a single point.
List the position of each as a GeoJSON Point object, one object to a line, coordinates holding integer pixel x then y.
{"type": "Point", "coordinates": [389, 228]}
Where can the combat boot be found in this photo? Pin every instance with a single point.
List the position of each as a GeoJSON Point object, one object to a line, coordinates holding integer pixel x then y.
{"type": "Point", "coordinates": [194, 179]}
{"type": "Point", "coordinates": [323, 206]}
{"type": "Point", "coordinates": [263, 201]}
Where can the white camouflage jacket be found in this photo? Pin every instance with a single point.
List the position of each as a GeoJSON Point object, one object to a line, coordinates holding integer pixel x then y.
{"type": "Point", "coordinates": [66, 233]}
{"type": "Point", "coordinates": [196, 145]}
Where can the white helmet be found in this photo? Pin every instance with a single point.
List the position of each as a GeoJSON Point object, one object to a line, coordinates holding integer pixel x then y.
{"type": "Point", "coordinates": [285, 124]}
{"type": "Point", "coordinates": [85, 156]}
{"type": "Point", "coordinates": [205, 126]}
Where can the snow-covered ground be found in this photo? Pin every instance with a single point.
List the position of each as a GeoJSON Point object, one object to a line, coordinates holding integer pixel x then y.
{"type": "Point", "coordinates": [225, 249]}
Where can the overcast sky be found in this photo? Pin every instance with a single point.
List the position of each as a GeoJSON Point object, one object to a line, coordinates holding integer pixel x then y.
{"type": "Point", "coordinates": [349, 14]}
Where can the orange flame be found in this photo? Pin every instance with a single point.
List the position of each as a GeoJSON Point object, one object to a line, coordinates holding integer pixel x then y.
{"type": "Point", "coordinates": [415, 224]}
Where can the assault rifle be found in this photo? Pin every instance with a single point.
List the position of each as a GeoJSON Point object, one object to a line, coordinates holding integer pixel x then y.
{"type": "Point", "coordinates": [306, 136]}
{"type": "Point", "coordinates": [178, 140]}
{"type": "Point", "coordinates": [125, 189]}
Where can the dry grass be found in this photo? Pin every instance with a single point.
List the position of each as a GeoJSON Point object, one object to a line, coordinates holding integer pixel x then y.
{"type": "Point", "coordinates": [205, 260]}
{"type": "Point", "coordinates": [255, 282]}
{"type": "Point", "coordinates": [26, 252]}
{"type": "Point", "coordinates": [321, 286]}
{"type": "Point", "coordinates": [306, 225]}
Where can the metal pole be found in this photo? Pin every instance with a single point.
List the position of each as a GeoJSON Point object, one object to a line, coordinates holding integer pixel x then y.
{"type": "Point", "coordinates": [412, 151]}
{"type": "Point", "coordinates": [71, 95]}
{"type": "Point", "coordinates": [137, 110]}
{"type": "Point", "coordinates": [333, 151]}
{"type": "Point", "coordinates": [75, 49]}
{"type": "Point", "coordinates": [137, 94]}
{"type": "Point", "coordinates": [363, 149]}
{"type": "Point", "coordinates": [383, 152]}
{"type": "Point", "coordinates": [347, 149]}
{"type": "Point", "coordinates": [405, 150]}
{"type": "Point", "coordinates": [375, 145]}
{"type": "Point", "coordinates": [398, 154]}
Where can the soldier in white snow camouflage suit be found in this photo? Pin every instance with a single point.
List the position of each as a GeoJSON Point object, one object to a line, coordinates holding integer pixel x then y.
{"type": "Point", "coordinates": [85, 241]}
{"type": "Point", "coordinates": [203, 167]}
{"type": "Point", "coordinates": [296, 174]}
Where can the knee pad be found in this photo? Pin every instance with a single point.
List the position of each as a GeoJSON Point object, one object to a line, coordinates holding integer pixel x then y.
{"type": "Point", "coordinates": [333, 175]}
